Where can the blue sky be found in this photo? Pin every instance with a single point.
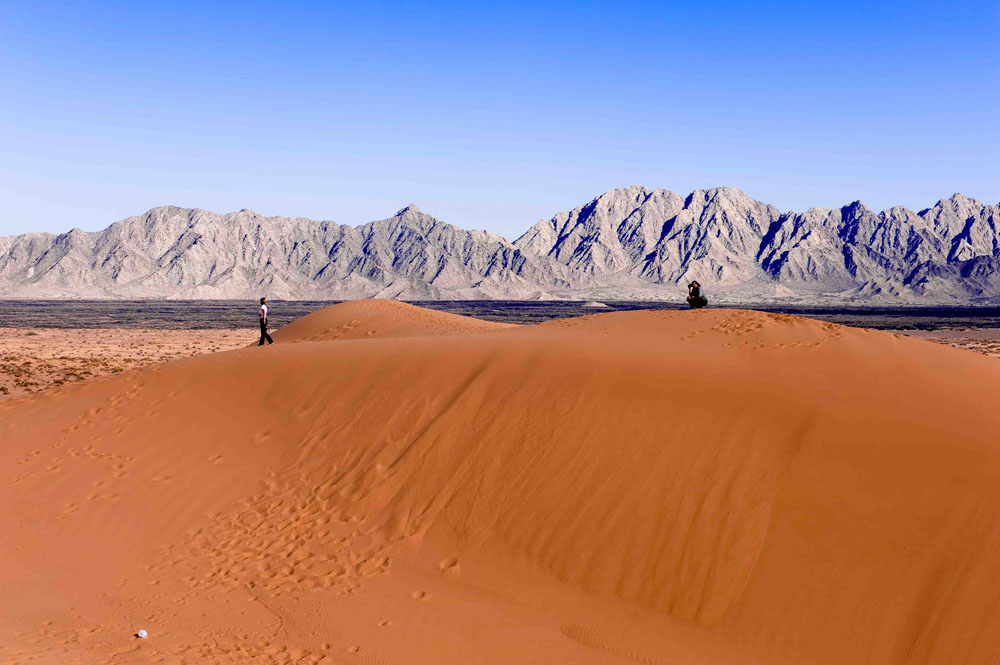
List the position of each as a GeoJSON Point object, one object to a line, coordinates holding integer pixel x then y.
{"type": "Point", "coordinates": [487, 116]}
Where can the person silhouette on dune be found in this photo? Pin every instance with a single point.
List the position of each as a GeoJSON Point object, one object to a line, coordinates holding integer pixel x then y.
{"type": "Point", "coordinates": [696, 297]}
{"type": "Point", "coordinates": [263, 324]}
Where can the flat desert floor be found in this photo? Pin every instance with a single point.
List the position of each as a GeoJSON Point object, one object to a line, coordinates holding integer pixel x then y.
{"type": "Point", "coordinates": [34, 359]}
{"type": "Point", "coordinates": [389, 484]}
{"type": "Point", "coordinates": [984, 340]}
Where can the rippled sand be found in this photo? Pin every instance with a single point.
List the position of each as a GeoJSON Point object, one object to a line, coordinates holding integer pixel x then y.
{"type": "Point", "coordinates": [389, 485]}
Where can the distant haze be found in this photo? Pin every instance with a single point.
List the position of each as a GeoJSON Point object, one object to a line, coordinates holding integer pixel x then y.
{"type": "Point", "coordinates": [491, 115]}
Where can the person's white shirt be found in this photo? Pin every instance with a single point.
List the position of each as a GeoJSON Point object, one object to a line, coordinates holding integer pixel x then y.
{"type": "Point", "coordinates": [263, 312]}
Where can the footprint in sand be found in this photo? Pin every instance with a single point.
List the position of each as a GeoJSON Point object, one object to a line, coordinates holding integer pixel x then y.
{"type": "Point", "coordinates": [450, 569]}
{"type": "Point", "coordinates": [29, 457]}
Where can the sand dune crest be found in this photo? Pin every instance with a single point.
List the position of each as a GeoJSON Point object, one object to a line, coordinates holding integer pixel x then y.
{"type": "Point", "coordinates": [375, 318]}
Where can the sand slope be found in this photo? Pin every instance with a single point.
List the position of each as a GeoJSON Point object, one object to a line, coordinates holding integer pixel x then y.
{"type": "Point", "coordinates": [377, 318]}
{"type": "Point", "coordinates": [656, 487]}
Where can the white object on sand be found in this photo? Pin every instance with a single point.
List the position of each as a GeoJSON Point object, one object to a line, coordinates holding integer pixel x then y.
{"type": "Point", "coordinates": [142, 634]}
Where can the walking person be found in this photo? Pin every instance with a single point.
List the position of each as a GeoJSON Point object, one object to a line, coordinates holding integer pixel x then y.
{"type": "Point", "coordinates": [263, 324]}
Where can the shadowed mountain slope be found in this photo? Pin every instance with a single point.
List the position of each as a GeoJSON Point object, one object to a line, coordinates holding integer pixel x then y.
{"type": "Point", "coordinates": [736, 245]}
{"type": "Point", "coordinates": [629, 243]}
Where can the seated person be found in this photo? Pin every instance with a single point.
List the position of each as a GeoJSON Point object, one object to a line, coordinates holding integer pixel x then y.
{"type": "Point", "coordinates": [696, 298]}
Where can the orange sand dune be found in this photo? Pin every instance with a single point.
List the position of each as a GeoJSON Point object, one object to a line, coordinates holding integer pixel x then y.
{"type": "Point", "coordinates": [366, 319]}
{"type": "Point", "coordinates": [655, 487]}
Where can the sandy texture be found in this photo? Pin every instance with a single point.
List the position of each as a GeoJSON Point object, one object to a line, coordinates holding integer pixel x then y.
{"type": "Point", "coordinates": [656, 487]}
{"type": "Point", "coordinates": [382, 319]}
{"type": "Point", "coordinates": [33, 359]}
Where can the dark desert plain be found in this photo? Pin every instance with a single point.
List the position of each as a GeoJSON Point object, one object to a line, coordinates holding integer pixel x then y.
{"type": "Point", "coordinates": [397, 484]}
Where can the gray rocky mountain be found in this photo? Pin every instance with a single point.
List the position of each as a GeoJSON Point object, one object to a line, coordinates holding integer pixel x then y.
{"type": "Point", "coordinates": [627, 243]}
{"type": "Point", "coordinates": [183, 253]}
{"type": "Point", "coordinates": [746, 250]}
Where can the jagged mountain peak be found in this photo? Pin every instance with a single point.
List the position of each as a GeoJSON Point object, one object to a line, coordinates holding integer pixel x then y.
{"type": "Point", "coordinates": [631, 191]}
{"type": "Point", "coordinates": [170, 210]}
{"type": "Point", "coordinates": [956, 202]}
{"type": "Point", "coordinates": [629, 242]}
{"type": "Point", "coordinates": [724, 193]}
{"type": "Point", "coordinates": [855, 208]}
{"type": "Point", "coordinates": [410, 209]}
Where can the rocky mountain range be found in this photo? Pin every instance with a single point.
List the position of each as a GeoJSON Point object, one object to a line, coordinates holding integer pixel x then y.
{"type": "Point", "coordinates": [630, 243]}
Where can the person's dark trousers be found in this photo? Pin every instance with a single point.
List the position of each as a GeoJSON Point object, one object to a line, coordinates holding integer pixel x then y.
{"type": "Point", "coordinates": [263, 334]}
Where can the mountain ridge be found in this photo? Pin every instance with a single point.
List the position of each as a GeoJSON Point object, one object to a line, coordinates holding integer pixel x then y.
{"type": "Point", "coordinates": [630, 242]}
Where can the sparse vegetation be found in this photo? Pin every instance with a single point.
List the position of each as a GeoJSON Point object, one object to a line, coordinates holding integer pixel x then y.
{"type": "Point", "coordinates": [66, 357]}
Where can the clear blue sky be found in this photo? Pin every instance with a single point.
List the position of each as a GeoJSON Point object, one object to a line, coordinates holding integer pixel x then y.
{"type": "Point", "coordinates": [488, 116]}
